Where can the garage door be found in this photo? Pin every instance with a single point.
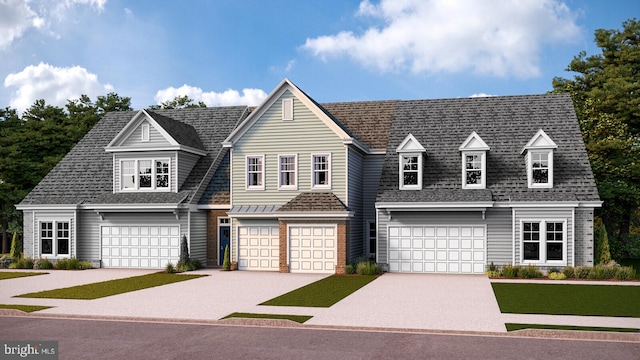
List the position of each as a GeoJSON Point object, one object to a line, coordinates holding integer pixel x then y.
{"type": "Point", "coordinates": [313, 248]}
{"type": "Point", "coordinates": [437, 249]}
{"type": "Point", "coordinates": [140, 246]}
{"type": "Point", "coordinates": [258, 248]}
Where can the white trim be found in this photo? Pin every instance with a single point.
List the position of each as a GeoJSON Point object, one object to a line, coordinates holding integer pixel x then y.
{"type": "Point", "coordinates": [247, 183]}
{"type": "Point", "coordinates": [328, 171]}
{"type": "Point", "coordinates": [474, 143]}
{"type": "Point", "coordinates": [573, 237]}
{"type": "Point", "coordinates": [295, 172]}
{"type": "Point", "coordinates": [530, 182]}
{"type": "Point", "coordinates": [54, 221]}
{"type": "Point", "coordinates": [542, 242]}
{"type": "Point", "coordinates": [401, 157]}
{"type": "Point", "coordinates": [513, 236]}
{"type": "Point", "coordinates": [159, 148]}
{"type": "Point", "coordinates": [539, 141]}
{"type": "Point", "coordinates": [483, 169]}
{"type": "Point", "coordinates": [410, 145]}
{"type": "Point", "coordinates": [312, 226]}
{"type": "Point", "coordinates": [419, 206]}
{"type": "Point", "coordinates": [213, 207]}
{"type": "Point", "coordinates": [228, 224]}
{"type": "Point", "coordinates": [153, 175]}
{"type": "Point", "coordinates": [48, 207]}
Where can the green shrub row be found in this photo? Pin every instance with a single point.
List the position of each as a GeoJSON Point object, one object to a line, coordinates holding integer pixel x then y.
{"type": "Point", "coordinates": [362, 267]}
{"type": "Point", "coordinates": [610, 270]}
{"type": "Point", "coordinates": [183, 266]}
{"type": "Point", "coordinates": [45, 264]}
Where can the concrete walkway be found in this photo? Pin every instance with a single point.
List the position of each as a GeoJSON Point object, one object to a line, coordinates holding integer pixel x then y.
{"type": "Point", "coordinates": [462, 303]}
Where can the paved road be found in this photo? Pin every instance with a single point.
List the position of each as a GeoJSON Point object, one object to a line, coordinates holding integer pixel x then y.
{"type": "Point", "coordinates": [90, 339]}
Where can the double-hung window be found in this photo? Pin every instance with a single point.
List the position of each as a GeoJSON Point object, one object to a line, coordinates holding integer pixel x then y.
{"type": "Point", "coordinates": [288, 178]}
{"type": "Point", "coordinates": [411, 171]}
{"type": "Point", "coordinates": [474, 170]}
{"type": "Point", "coordinates": [539, 159]}
{"type": "Point", "coordinates": [321, 171]}
{"type": "Point", "coordinates": [55, 238]}
{"type": "Point", "coordinates": [147, 174]}
{"type": "Point", "coordinates": [544, 242]}
{"type": "Point", "coordinates": [539, 167]}
{"type": "Point", "coordinates": [255, 172]}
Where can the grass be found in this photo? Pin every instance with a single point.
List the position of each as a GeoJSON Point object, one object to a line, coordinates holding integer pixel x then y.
{"type": "Point", "coordinates": [25, 308]}
{"type": "Point", "coordinates": [568, 299]}
{"type": "Point", "coordinates": [515, 327]}
{"type": "Point", "coordinates": [112, 287]}
{"type": "Point", "coordinates": [297, 318]}
{"type": "Point", "coordinates": [634, 263]}
{"type": "Point", "coordinates": [322, 293]}
{"type": "Point", "coordinates": [12, 275]}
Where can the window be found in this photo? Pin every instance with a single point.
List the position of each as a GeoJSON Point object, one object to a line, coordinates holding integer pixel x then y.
{"type": "Point", "coordinates": [145, 132]}
{"type": "Point", "coordinates": [373, 239]}
{"type": "Point", "coordinates": [287, 109]}
{"type": "Point", "coordinates": [288, 172]}
{"type": "Point", "coordinates": [474, 174]}
{"type": "Point", "coordinates": [410, 158]}
{"type": "Point", "coordinates": [145, 175]}
{"type": "Point", "coordinates": [321, 171]}
{"type": "Point", "coordinates": [255, 172]}
{"type": "Point", "coordinates": [410, 170]}
{"type": "Point", "coordinates": [544, 242]}
{"type": "Point", "coordinates": [54, 238]}
{"type": "Point", "coordinates": [539, 159]}
{"type": "Point", "coordinates": [540, 168]}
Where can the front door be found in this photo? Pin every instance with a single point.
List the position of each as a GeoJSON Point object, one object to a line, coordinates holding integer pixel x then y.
{"type": "Point", "coordinates": [224, 241]}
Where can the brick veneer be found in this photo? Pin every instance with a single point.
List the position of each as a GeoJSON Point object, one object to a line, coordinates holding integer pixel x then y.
{"type": "Point", "coordinates": [341, 248]}
{"type": "Point", "coordinates": [212, 235]}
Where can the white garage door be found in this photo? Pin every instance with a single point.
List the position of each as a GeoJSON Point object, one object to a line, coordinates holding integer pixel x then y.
{"type": "Point", "coordinates": [437, 249]}
{"type": "Point", "coordinates": [313, 248]}
{"type": "Point", "coordinates": [140, 246]}
{"type": "Point", "coordinates": [259, 248]}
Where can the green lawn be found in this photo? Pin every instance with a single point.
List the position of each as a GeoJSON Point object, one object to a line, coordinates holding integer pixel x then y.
{"type": "Point", "coordinates": [322, 293]}
{"type": "Point", "coordinates": [634, 263]}
{"type": "Point", "coordinates": [561, 299]}
{"type": "Point", "coordinates": [25, 308]}
{"type": "Point", "coordinates": [297, 318]}
{"type": "Point", "coordinates": [514, 327]}
{"type": "Point", "coordinates": [16, 274]}
{"type": "Point", "coordinates": [112, 287]}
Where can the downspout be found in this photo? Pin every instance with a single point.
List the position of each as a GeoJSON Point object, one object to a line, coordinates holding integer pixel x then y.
{"type": "Point", "coordinates": [573, 236]}
{"type": "Point", "coordinates": [513, 234]}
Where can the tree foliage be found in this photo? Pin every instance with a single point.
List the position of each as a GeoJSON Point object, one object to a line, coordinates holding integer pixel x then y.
{"type": "Point", "coordinates": [606, 94]}
{"type": "Point", "coordinates": [179, 102]}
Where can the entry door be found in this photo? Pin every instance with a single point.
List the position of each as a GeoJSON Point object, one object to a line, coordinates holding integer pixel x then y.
{"type": "Point", "coordinates": [224, 241]}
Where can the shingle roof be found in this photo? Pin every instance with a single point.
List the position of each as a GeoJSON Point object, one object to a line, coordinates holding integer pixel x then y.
{"type": "Point", "coordinates": [85, 174]}
{"type": "Point", "coordinates": [506, 124]}
{"type": "Point", "coordinates": [183, 133]}
{"type": "Point", "coordinates": [314, 201]}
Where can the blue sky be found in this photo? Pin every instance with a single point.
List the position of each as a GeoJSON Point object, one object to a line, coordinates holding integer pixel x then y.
{"type": "Point", "coordinates": [236, 51]}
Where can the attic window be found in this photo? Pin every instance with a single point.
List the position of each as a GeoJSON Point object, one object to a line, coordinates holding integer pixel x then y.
{"type": "Point", "coordinates": [474, 162]}
{"type": "Point", "coordinates": [539, 160]}
{"type": "Point", "coordinates": [410, 158]}
{"type": "Point", "coordinates": [145, 132]}
{"type": "Point", "coordinates": [287, 109]}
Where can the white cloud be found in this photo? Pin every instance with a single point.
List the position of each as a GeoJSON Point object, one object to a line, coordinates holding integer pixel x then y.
{"type": "Point", "coordinates": [53, 84]}
{"type": "Point", "coordinates": [17, 16]}
{"type": "Point", "coordinates": [480, 95]}
{"type": "Point", "coordinates": [226, 98]}
{"type": "Point", "coordinates": [501, 38]}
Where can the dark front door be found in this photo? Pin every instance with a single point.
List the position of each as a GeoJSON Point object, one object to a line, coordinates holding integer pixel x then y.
{"type": "Point", "coordinates": [224, 241]}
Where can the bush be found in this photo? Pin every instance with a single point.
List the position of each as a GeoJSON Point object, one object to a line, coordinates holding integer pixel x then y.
{"type": "Point", "coordinates": [625, 273]}
{"type": "Point", "coordinates": [625, 247]}
{"type": "Point", "coordinates": [603, 271]}
{"type": "Point", "coordinates": [568, 272]}
{"type": "Point", "coordinates": [16, 247]}
{"type": "Point", "coordinates": [492, 273]}
{"type": "Point", "coordinates": [510, 271]}
{"type": "Point", "coordinates": [493, 267]}
{"type": "Point", "coordinates": [184, 250]}
{"type": "Point", "coordinates": [72, 264]}
{"type": "Point", "coordinates": [557, 276]}
{"type": "Point", "coordinates": [350, 269]}
{"type": "Point", "coordinates": [367, 268]}
{"type": "Point", "coordinates": [582, 272]}
{"type": "Point", "coordinates": [601, 238]}
{"type": "Point", "coordinates": [25, 263]}
{"type": "Point", "coordinates": [226, 263]}
{"type": "Point", "coordinates": [5, 261]}
{"type": "Point", "coordinates": [530, 272]}
{"type": "Point", "coordinates": [169, 269]}
{"type": "Point", "coordinates": [42, 264]}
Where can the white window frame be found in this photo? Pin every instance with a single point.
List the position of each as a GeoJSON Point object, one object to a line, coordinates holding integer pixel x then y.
{"type": "Point", "coordinates": [281, 185]}
{"type": "Point", "coordinates": [136, 174]}
{"type": "Point", "coordinates": [530, 169]}
{"type": "Point", "coordinates": [145, 132]}
{"type": "Point", "coordinates": [327, 170]}
{"type": "Point", "coordinates": [287, 109]}
{"type": "Point", "coordinates": [482, 169]}
{"type": "Point", "coordinates": [401, 158]}
{"type": "Point", "coordinates": [55, 237]}
{"type": "Point", "coordinates": [542, 243]}
{"type": "Point", "coordinates": [261, 178]}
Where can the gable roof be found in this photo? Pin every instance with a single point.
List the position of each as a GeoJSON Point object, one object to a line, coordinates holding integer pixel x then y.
{"type": "Point", "coordinates": [85, 174]}
{"type": "Point", "coordinates": [505, 124]}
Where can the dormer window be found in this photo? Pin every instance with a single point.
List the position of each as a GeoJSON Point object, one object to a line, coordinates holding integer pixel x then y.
{"type": "Point", "coordinates": [474, 162]}
{"type": "Point", "coordinates": [411, 154]}
{"type": "Point", "coordinates": [145, 175]}
{"type": "Point", "coordinates": [539, 160]}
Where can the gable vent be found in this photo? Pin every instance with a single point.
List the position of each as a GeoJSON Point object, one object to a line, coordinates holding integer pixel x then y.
{"type": "Point", "coordinates": [287, 109]}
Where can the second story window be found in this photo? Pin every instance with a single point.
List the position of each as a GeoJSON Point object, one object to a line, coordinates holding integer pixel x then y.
{"type": "Point", "coordinates": [539, 160]}
{"type": "Point", "coordinates": [411, 166]}
{"type": "Point", "coordinates": [147, 174]}
{"type": "Point", "coordinates": [474, 162]}
{"type": "Point", "coordinates": [540, 167]}
{"type": "Point", "coordinates": [321, 171]}
{"type": "Point", "coordinates": [288, 172]}
{"type": "Point", "coordinates": [410, 156]}
{"type": "Point", "coordinates": [255, 172]}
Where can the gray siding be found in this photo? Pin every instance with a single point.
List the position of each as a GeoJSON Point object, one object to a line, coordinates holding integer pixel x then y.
{"type": "Point", "coordinates": [28, 234]}
{"type": "Point", "coordinates": [355, 240]}
{"type": "Point", "coordinates": [544, 214]}
{"type": "Point", "coordinates": [135, 139]}
{"type": "Point", "coordinates": [198, 238]}
{"type": "Point", "coordinates": [584, 237]}
{"type": "Point", "coordinates": [371, 173]}
{"type": "Point", "coordinates": [171, 155]}
{"type": "Point", "coordinates": [271, 136]}
{"type": "Point", "coordinates": [499, 238]}
{"type": "Point", "coordinates": [89, 235]}
{"type": "Point", "coordinates": [185, 164]}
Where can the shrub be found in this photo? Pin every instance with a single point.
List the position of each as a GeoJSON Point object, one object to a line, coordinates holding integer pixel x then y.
{"type": "Point", "coordinates": [226, 263]}
{"type": "Point", "coordinates": [72, 264]}
{"type": "Point", "coordinates": [625, 273]}
{"type": "Point", "coordinates": [5, 261]}
{"type": "Point", "coordinates": [557, 276]}
{"type": "Point", "coordinates": [169, 269]}
{"type": "Point", "coordinates": [603, 272]}
{"type": "Point", "coordinates": [184, 250]}
{"type": "Point", "coordinates": [603, 254]}
{"type": "Point", "coordinates": [43, 264]}
{"type": "Point", "coordinates": [510, 271]}
{"type": "Point", "coordinates": [530, 272]}
{"type": "Point", "coordinates": [493, 267]}
{"type": "Point", "coordinates": [25, 263]}
{"type": "Point", "coordinates": [493, 273]}
{"type": "Point", "coordinates": [367, 268]}
{"type": "Point", "coordinates": [568, 272]}
{"type": "Point", "coordinates": [350, 269]}
{"type": "Point", "coordinates": [582, 272]}
{"type": "Point", "coordinates": [16, 247]}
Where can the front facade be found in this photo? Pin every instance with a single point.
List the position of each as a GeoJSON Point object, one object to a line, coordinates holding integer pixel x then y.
{"type": "Point", "coordinates": [445, 186]}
